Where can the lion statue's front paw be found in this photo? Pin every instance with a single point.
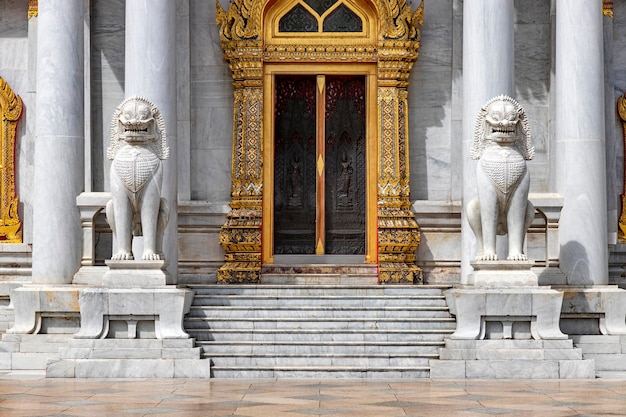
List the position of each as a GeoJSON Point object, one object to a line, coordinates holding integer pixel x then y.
{"type": "Point", "coordinates": [487, 257]}
{"type": "Point", "coordinates": [123, 256]}
{"type": "Point", "coordinates": [517, 257]}
{"type": "Point", "coordinates": [151, 256]}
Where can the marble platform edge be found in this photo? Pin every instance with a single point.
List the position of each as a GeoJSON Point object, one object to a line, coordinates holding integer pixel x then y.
{"type": "Point", "coordinates": [512, 369]}
{"type": "Point", "coordinates": [129, 368]}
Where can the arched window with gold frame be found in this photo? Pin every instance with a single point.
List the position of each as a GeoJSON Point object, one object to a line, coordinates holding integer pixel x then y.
{"type": "Point", "coordinates": [11, 110]}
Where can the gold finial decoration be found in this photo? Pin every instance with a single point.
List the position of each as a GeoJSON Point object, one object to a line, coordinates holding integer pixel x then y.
{"type": "Point", "coordinates": [399, 21]}
{"type": "Point", "coordinates": [11, 110]}
{"type": "Point", "coordinates": [33, 8]}
{"type": "Point", "coordinates": [607, 8]}
{"type": "Point", "coordinates": [242, 21]}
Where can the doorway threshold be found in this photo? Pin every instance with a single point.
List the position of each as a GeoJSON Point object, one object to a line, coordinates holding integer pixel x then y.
{"type": "Point", "coordinates": [319, 259]}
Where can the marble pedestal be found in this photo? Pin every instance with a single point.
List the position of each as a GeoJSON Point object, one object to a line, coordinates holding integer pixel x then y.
{"type": "Point", "coordinates": [508, 327]}
{"type": "Point", "coordinates": [45, 318]}
{"type": "Point", "coordinates": [135, 274]}
{"type": "Point", "coordinates": [475, 307]}
{"type": "Point", "coordinates": [35, 303]}
{"type": "Point", "coordinates": [605, 304]}
{"type": "Point", "coordinates": [132, 327]}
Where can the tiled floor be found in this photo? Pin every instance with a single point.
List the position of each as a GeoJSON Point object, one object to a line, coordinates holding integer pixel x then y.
{"type": "Point", "coordinates": [25, 395]}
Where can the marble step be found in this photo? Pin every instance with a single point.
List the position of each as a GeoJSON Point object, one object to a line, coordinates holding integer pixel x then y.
{"type": "Point", "coordinates": [323, 324]}
{"type": "Point", "coordinates": [321, 290]}
{"type": "Point", "coordinates": [311, 335]}
{"type": "Point", "coordinates": [512, 369]}
{"type": "Point", "coordinates": [608, 351]}
{"type": "Point", "coordinates": [320, 372]}
{"type": "Point", "coordinates": [319, 274]}
{"type": "Point", "coordinates": [328, 360]}
{"type": "Point", "coordinates": [227, 312]}
{"type": "Point", "coordinates": [30, 351]}
{"type": "Point", "coordinates": [350, 331]}
{"type": "Point", "coordinates": [428, 349]}
{"type": "Point", "coordinates": [319, 301]}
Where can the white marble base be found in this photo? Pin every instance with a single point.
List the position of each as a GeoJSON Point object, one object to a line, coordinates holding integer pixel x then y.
{"type": "Point", "coordinates": [136, 274]}
{"type": "Point", "coordinates": [502, 274]}
{"type": "Point", "coordinates": [511, 359]}
{"type": "Point", "coordinates": [165, 306]}
{"type": "Point", "coordinates": [90, 275]}
{"type": "Point", "coordinates": [606, 302]}
{"type": "Point", "coordinates": [126, 358]}
{"type": "Point", "coordinates": [33, 302]}
{"type": "Point", "coordinates": [475, 306]}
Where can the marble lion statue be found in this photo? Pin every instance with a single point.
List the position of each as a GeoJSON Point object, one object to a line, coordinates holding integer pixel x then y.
{"type": "Point", "coordinates": [138, 145]}
{"type": "Point", "coordinates": [502, 146]}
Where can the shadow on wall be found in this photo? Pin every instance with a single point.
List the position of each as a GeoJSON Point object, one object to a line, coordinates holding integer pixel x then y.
{"type": "Point", "coordinates": [575, 264]}
{"type": "Point", "coordinates": [431, 132]}
{"type": "Point", "coordinates": [107, 80]}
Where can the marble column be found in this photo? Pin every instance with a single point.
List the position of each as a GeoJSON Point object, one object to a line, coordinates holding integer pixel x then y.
{"type": "Point", "coordinates": [488, 70]}
{"type": "Point", "coordinates": [580, 164]}
{"type": "Point", "coordinates": [59, 143]}
{"type": "Point", "coordinates": [150, 71]}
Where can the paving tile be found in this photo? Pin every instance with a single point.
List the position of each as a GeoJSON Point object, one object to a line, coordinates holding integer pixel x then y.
{"type": "Point", "coordinates": [293, 398]}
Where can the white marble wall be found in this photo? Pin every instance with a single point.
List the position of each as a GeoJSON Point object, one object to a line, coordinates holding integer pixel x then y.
{"type": "Point", "coordinates": [532, 81]}
{"type": "Point", "coordinates": [107, 81]}
{"type": "Point", "coordinates": [430, 107]}
{"type": "Point", "coordinates": [211, 108]}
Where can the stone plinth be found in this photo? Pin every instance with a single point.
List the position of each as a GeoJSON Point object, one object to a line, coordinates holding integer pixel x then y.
{"type": "Point", "coordinates": [129, 358]}
{"type": "Point", "coordinates": [33, 303]}
{"type": "Point", "coordinates": [511, 359]}
{"type": "Point", "coordinates": [605, 303]}
{"type": "Point", "coordinates": [502, 274]}
{"type": "Point", "coordinates": [136, 274]}
{"type": "Point", "coordinates": [475, 306]}
{"type": "Point", "coordinates": [165, 306]}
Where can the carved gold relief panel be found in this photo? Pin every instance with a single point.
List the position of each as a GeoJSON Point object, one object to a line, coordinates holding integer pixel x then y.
{"type": "Point", "coordinates": [11, 109]}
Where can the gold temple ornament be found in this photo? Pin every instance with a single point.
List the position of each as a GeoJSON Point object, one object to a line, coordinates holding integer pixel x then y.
{"type": "Point", "coordinates": [11, 108]}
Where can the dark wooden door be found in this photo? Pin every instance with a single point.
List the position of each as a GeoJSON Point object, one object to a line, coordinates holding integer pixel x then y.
{"type": "Point", "coordinates": [319, 166]}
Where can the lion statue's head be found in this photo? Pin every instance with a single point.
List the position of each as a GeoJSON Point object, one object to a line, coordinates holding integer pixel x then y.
{"type": "Point", "coordinates": [137, 121]}
{"type": "Point", "coordinates": [502, 121]}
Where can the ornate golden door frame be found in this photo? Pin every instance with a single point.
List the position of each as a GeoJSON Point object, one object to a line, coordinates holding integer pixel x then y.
{"type": "Point", "coordinates": [257, 44]}
{"type": "Point", "coordinates": [369, 71]}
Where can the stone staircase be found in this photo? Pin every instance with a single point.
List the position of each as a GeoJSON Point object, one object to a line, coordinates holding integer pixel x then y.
{"type": "Point", "coordinates": [608, 352]}
{"type": "Point", "coordinates": [30, 352]}
{"type": "Point", "coordinates": [319, 330]}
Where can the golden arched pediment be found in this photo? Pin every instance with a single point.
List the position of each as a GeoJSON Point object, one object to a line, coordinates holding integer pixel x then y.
{"type": "Point", "coordinates": [243, 19]}
{"type": "Point", "coordinates": [11, 110]}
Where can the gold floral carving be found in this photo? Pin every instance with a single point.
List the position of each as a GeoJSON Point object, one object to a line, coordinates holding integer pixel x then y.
{"type": "Point", "coordinates": [621, 110]}
{"type": "Point", "coordinates": [11, 109]}
{"type": "Point", "coordinates": [394, 48]}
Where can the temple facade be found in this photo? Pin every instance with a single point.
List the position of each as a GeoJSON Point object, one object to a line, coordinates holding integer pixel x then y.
{"type": "Point", "coordinates": [321, 144]}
